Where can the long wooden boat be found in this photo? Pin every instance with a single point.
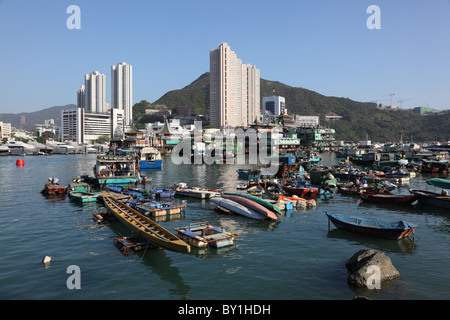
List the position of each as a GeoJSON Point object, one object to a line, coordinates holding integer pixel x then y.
{"type": "Point", "coordinates": [202, 235]}
{"type": "Point", "coordinates": [252, 205]}
{"type": "Point", "coordinates": [388, 198]}
{"type": "Point", "coordinates": [300, 191]}
{"type": "Point", "coordinates": [261, 201]}
{"type": "Point", "coordinates": [433, 199]}
{"type": "Point", "coordinates": [238, 208]}
{"type": "Point", "coordinates": [144, 227]}
{"type": "Point", "coordinates": [394, 231]}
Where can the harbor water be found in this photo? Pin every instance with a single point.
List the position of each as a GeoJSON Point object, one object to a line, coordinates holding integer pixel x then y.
{"type": "Point", "coordinates": [298, 257]}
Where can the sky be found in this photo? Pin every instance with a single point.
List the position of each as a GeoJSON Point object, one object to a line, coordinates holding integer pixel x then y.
{"type": "Point", "coordinates": [323, 45]}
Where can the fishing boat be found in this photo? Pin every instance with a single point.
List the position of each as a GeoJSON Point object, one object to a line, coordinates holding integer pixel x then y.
{"type": "Point", "coordinates": [153, 208]}
{"type": "Point", "coordinates": [150, 158]}
{"type": "Point", "coordinates": [203, 235]}
{"type": "Point", "coordinates": [300, 191]}
{"type": "Point", "coordinates": [388, 198]}
{"type": "Point", "coordinates": [130, 244]}
{"type": "Point", "coordinates": [252, 205]}
{"type": "Point", "coordinates": [162, 192]}
{"type": "Point", "coordinates": [248, 174]}
{"type": "Point", "coordinates": [181, 189]}
{"type": "Point", "coordinates": [79, 186]}
{"type": "Point", "coordinates": [441, 200]}
{"type": "Point", "coordinates": [394, 231]}
{"type": "Point", "coordinates": [233, 206]}
{"type": "Point", "coordinates": [116, 167]}
{"type": "Point", "coordinates": [262, 202]}
{"type": "Point", "coordinates": [144, 227]}
{"type": "Point", "coordinates": [82, 196]}
{"type": "Point", "coordinates": [52, 187]}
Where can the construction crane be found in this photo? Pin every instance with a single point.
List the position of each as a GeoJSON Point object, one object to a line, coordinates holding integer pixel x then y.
{"type": "Point", "coordinates": [401, 102]}
{"type": "Point", "coordinates": [391, 94]}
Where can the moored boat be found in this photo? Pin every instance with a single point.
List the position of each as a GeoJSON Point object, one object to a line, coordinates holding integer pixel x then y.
{"type": "Point", "coordinates": [393, 231]}
{"type": "Point", "coordinates": [388, 198]}
{"type": "Point", "coordinates": [116, 168]}
{"type": "Point", "coordinates": [233, 206]}
{"type": "Point", "coordinates": [203, 235]}
{"type": "Point", "coordinates": [261, 201]}
{"type": "Point", "coordinates": [144, 227]}
{"type": "Point", "coordinates": [52, 187]}
{"type": "Point", "coordinates": [300, 191]}
{"type": "Point", "coordinates": [252, 205]}
{"type": "Point", "coordinates": [182, 189]}
{"type": "Point", "coordinates": [150, 158]}
{"type": "Point", "coordinates": [82, 196]}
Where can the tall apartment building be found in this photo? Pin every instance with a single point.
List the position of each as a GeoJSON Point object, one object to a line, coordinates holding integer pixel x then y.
{"type": "Point", "coordinates": [122, 90]}
{"type": "Point", "coordinates": [234, 89]}
{"type": "Point", "coordinates": [94, 93]}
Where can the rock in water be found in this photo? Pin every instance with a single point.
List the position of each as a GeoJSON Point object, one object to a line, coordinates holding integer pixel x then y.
{"type": "Point", "coordinates": [362, 272]}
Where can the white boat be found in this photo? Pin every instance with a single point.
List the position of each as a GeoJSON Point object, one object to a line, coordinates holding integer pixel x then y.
{"type": "Point", "coordinates": [195, 192]}
{"type": "Point", "coordinates": [150, 158]}
{"type": "Point", "coordinates": [19, 148]}
{"type": "Point", "coordinates": [4, 150]}
{"type": "Point", "coordinates": [237, 208]}
{"type": "Point", "coordinates": [62, 148]}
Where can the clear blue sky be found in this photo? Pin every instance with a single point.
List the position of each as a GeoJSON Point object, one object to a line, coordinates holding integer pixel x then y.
{"type": "Point", "coordinates": [324, 46]}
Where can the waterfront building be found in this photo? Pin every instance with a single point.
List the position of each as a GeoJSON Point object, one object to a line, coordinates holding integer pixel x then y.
{"type": "Point", "coordinates": [234, 89]}
{"type": "Point", "coordinates": [84, 127]}
{"type": "Point", "coordinates": [272, 106]}
{"type": "Point", "coordinates": [122, 90]}
{"type": "Point", "coordinates": [316, 138]}
{"type": "Point", "coordinates": [94, 92]}
{"type": "Point", "coordinates": [5, 130]}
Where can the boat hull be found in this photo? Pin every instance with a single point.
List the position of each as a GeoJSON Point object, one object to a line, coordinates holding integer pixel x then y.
{"type": "Point", "coordinates": [394, 231]}
{"type": "Point", "coordinates": [145, 164]}
{"type": "Point", "coordinates": [432, 199]}
{"type": "Point", "coordinates": [388, 198]}
{"type": "Point", "coordinates": [262, 202]}
{"type": "Point", "coordinates": [238, 208]}
{"type": "Point", "coordinates": [252, 205]}
{"type": "Point", "coordinates": [301, 191]}
{"type": "Point", "coordinates": [83, 197]}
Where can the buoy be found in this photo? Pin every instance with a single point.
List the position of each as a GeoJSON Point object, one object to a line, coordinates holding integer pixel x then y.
{"type": "Point", "coordinates": [20, 162]}
{"type": "Point", "coordinates": [47, 260]}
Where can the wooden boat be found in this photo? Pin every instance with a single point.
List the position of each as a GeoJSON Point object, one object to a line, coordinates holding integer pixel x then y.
{"type": "Point", "coordinates": [262, 202]}
{"type": "Point", "coordinates": [252, 205]}
{"type": "Point", "coordinates": [394, 231]}
{"type": "Point", "coordinates": [433, 199]}
{"type": "Point", "coordinates": [388, 198]}
{"type": "Point", "coordinates": [235, 207]}
{"type": "Point", "coordinates": [300, 191]}
{"type": "Point", "coordinates": [242, 185]}
{"type": "Point", "coordinates": [143, 227]}
{"type": "Point", "coordinates": [203, 235]}
{"type": "Point", "coordinates": [82, 196]}
{"type": "Point", "coordinates": [195, 192]}
{"type": "Point", "coordinates": [52, 187]}
{"type": "Point", "coordinates": [79, 186]}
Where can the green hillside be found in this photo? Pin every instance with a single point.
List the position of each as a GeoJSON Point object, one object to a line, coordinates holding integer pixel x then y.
{"type": "Point", "coordinates": [360, 120]}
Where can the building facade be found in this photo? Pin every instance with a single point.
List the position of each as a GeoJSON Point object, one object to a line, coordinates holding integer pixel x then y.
{"type": "Point", "coordinates": [95, 92]}
{"type": "Point", "coordinates": [234, 89]}
{"type": "Point", "coordinates": [272, 107]}
{"type": "Point", "coordinates": [122, 90]}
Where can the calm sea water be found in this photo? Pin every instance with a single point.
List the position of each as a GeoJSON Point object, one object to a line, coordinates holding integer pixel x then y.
{"type": "Point", "coordinates": [296, 258]}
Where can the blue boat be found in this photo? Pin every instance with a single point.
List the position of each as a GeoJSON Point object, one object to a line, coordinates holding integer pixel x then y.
{"type": "Point", "coordinates": [150, 158]}
{"type": "Point", "coordinates": [394, 231]}
{"type": "Point", "coordinates": [248, 174]}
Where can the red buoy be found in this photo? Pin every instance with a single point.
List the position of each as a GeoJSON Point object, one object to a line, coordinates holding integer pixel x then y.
{"type": "Point", "coordinates": [20, 162]}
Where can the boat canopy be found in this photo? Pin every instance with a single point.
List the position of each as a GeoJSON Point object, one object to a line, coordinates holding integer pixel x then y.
{"type": "Point", "coordinates": [438, 182]}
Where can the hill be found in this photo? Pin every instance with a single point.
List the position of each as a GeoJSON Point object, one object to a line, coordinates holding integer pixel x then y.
{"type": "Point", "coordinates": [36, 117]}
{"type": "Point", "coordinates": [360, 120]}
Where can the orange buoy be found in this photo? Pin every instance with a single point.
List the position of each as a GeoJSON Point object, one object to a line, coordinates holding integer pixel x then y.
{"type": "Point", "coordinates": [20, 162]}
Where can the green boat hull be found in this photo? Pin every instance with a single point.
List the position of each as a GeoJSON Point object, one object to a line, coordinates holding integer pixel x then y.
{"type": "Point", "coordinates": [262, 202]}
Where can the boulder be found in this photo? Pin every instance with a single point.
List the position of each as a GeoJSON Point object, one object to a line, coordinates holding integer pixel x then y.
{"type": "Point", "coordinates": [369, 268]}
